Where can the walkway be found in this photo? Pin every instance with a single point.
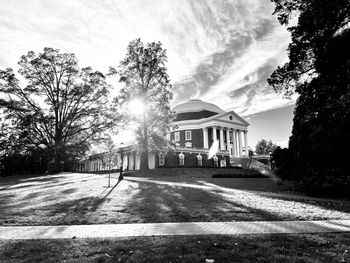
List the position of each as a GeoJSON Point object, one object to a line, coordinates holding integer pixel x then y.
{"type": "Point", "coordinates": [173, 229]}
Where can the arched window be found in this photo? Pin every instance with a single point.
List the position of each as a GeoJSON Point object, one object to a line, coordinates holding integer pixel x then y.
{"type": "Point", "coordinates": [161, 160]}
{"type": "Point", "coordinates": [216, 161]}
{"type": "Point", "coordinates": [181, 159]}
{"type": "Point", "coordinates": [199, 160]}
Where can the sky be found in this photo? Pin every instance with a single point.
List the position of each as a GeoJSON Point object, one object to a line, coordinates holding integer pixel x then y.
{"type": "Point", "coordinates": [219, 51]}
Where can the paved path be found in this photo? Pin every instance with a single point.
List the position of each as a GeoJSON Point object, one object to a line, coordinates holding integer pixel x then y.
{"type": "Point", "coordinates": [173, 229]}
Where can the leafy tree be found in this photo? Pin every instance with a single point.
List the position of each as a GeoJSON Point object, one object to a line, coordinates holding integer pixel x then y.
{"type": "Point", "coordinates": [319, 22]}
{"type": "Point", "coordinates": [283, 163]}
{"type": "Point", "coordinates": [62, 106]}
{"type": "Point", "coordinates": [144, 75]}
{"type": "Point", "coordinates": [318, 70]}
{"type": "Point", "coordinates": [265, 147]}
{"type": "Point", "coordinates": [7, 136]}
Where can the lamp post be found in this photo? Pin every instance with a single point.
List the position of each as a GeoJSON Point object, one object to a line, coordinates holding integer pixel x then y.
{"type": "Point", "coordinates": [121, 163]}
{"type": "Point", "coordinates": [270, 153]}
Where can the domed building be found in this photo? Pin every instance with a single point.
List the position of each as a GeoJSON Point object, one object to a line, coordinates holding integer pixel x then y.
{"type": "Point", "coordinates": [199, 124]}
{"type": "Point", "coordinates": [205, 135]}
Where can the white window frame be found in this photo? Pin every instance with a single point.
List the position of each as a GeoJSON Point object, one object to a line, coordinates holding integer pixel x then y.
{"type": "Point", "coordinates": [188, 138]}
{"type": "Point", "coordinates": [223, 163]}
{"type": "Point", "coordinates": [181, 159]}
{"type": "Point", "coordinates": [188, 144]}
{"type": "Point", "coordinates": [177, 136]}
{"type": "Point", "coordinates": [199, 160]}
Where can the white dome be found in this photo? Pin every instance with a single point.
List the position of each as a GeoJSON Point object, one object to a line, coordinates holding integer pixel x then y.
{"type": "Point", "coordinates": [196, 106]}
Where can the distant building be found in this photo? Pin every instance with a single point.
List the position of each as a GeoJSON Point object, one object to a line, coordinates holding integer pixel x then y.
{"type": "Point", "coordinates": [198, 125]}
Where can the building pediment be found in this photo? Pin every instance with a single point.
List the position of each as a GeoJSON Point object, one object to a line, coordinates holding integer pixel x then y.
{"type": "Point", "coordinates": [230, 117]}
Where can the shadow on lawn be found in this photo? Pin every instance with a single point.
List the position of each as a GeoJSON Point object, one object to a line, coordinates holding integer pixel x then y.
{"type": "Point", "coordinates": [26, 181]}
{"type": "Point", "coordinates": [281, 192]}
{"type": "Point", "coordinates": [170, 203]}
{"type": "Point", "coordinates": [147, 200]}
{"type": "Point", "coordinates": [202, 201]}
{"type": "Point", "coordinates": [39, 205]}
{"type": "Point", "coordinates": [79, 211]}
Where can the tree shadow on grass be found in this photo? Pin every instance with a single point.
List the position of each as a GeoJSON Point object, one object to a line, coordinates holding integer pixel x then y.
{"type": "Point", "coordinates": [264, 188]}
{"type": "Point", "coordinates": [14, 182]}
{"type": "Point", "coordinates": [43, 206]}
{"type": "Point", "coordinates": [276, 192]}
{"type": "Point", "coordinates": [80, 210]}
{"type": "Point", "coordinates": [171, 203]}
{"type": "Point", "coordinates": [200, 201]}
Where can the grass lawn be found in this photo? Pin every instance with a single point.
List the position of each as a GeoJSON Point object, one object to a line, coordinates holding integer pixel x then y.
{"type": "Point", "coordinates": [253, 248]}
{"type": "Point", "coordinates": [72, 198]}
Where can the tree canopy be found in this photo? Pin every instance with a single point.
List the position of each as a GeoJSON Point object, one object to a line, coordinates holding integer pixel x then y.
{"type": "Point", "coordinates": [318, 70]}
{"type": "Point", "coordinates": [265, 147]}
{"type": "Point", "coordinates": [318, 23]}
{"type": "Point", "coordinates": [144, 75]}
{"type": "Point", "coordinates": [62, 107]}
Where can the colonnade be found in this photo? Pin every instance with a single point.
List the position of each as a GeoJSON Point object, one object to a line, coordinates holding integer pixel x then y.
{"type": "Point", "coordinates": [232, 135]}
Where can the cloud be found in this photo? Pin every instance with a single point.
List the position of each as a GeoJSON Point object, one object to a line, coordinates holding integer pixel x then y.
{"type": "Point", "coordinates": [256, 95]}
{"type": "Point", "coordinates": [215, 47]}
{"type": "Point", "coordinates": [250, 40]}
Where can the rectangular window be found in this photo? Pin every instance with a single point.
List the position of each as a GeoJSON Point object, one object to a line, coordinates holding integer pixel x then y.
{"type": "Point", "coordinates": [188, 135]}
{"type": "Point", "coordinates": [177, 136]}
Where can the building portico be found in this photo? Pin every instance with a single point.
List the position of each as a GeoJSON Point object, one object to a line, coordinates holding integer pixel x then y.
{"type": "Point", "coordinates": [230, 139]}
{"type": "Point", "coordinates": [228, 128]}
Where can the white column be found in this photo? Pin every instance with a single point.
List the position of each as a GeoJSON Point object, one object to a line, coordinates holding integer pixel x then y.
{"type": "Point", "coordinates": [240, 143]}
{"type": "Point", "coordinates": [222, 146]}
{"type": "Point", "coordinates": [214, 134]}
{"type": "Point", "coordinates": [234, 141]}
{"type": "Point", "coordinates": [246, 144]}
{"type": "Point", "coordinates": [228, 144]}
{"type": "Point", "coordinates": [205, 138]}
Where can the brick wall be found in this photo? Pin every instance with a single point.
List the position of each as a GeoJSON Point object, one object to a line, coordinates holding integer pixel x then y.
{"type": "Point", "coordinates": [172, 160]}
{"type": "Point", "coordinates": [196, 140]}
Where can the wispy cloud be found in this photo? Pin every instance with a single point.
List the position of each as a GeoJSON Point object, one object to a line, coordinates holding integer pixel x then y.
{"type": "Point", "coordinates": [219, 50]}
{"type": "Point", "coordinates": [257, 45]}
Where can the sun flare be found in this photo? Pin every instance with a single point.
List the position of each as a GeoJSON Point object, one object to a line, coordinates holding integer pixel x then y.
{"type": "Point", "coordinates": [136, 107]}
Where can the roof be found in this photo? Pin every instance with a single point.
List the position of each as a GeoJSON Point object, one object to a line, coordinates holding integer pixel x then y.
{"type": "Point", "coordinates": [196, 106]}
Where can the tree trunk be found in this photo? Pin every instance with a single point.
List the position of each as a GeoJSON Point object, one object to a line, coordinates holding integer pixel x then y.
{"type": "Point", "coordinates": [58, 159]}
{"type": "Point", "coordinates": [58, 153]}
{"type": "Point", "coordinates": [144, 155]}
{"type": "Point", "coordinates": [144, 161]}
